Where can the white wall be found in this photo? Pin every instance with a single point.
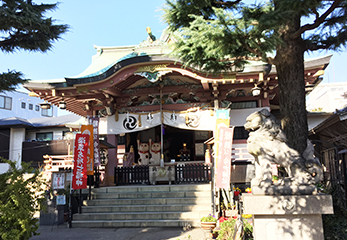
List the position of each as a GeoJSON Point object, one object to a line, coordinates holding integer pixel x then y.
{"type": "Point", "coordinates": [3, 167]}
{"type": "Point", "coordinates": [17, 137]}
{"type": "Point", "coordinates": [327, 97]}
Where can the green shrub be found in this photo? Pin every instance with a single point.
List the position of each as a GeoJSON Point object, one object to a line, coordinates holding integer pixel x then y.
{"type": "Point", "coordinates": [227, 229]}
{"type": "Point", "coordinates": [20, 198]}
{"type": "Point", "coordinates": [247, 230]}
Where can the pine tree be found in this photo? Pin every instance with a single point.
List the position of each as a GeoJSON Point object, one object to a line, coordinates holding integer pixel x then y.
{"type": "Point", "coordinates": [23, 26]}
{"type": "Point", "coordinates": [217, 35]}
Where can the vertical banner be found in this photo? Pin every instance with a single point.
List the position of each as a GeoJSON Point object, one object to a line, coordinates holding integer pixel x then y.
{"type": "Point", "coordinates": [88, 129]}
{"type": "Point", "coordinates": [223, 119]}
{"type": "Point", "coordinates": [79, 177]}
{"type": "Point", "coordinates": [224, 157]}
{"type": "Point", "coordinates": [95, 122]}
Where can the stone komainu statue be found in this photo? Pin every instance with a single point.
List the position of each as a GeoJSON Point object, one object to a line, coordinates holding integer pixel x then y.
{"type": "Point", "coordinates": [267, 143]}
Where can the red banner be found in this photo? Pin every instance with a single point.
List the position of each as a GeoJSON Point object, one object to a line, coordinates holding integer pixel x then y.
{"type": "Point", "coordinates": [79, 177]}
{"type": "Point", "coordinates": [224, 157]}
{"type": "Point", "coordinates": [88, 129]}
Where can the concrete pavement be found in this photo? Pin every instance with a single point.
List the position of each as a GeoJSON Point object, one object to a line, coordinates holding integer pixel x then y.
{"type": "Point", "coordinates": [62, 232]}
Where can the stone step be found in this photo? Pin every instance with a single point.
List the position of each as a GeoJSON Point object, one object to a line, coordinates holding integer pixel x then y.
{"type": "Point", "coordinates": [140, 216]}
{"type": "Point", "coordinates": [150, 195]}
{"type": "Point", "coordinates": [151, 188]}
{"type": "Point", "coordinates": [146, 201]}
{"type": "Point", "coordinates": [134, 223]}
{"type": "Point", "coordinates": [147, 208]}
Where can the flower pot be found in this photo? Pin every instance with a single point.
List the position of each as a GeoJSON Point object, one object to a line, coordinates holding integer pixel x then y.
{"type": "Point", "coordinates": [208, 225]}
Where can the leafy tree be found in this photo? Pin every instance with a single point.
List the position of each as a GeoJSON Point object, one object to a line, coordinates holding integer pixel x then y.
{"type": "Point", "coordinates": [217, 35]}
{"type": "Point", "coordinates": [23, 26]}
{"type": "Point", "coordinates": [20, 198]}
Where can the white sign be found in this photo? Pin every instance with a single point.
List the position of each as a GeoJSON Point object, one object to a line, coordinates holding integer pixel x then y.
{"type": "Point", "coordinates": [61, 200]}
{"type": "Point", "coordinates": [58, 180]}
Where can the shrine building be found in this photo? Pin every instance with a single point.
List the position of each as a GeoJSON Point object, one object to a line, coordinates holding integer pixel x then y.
{"type": "Point", "coordinates": [142, 93]}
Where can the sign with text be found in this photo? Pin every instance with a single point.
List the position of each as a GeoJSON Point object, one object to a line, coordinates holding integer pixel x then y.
{"type": "Point", "coordinates": [79, 177]}
{"type": "Point", "coordinates": [58, 180]}
{"type": "Point", "coordinates": [222, 119]}
{"type": "Point", "coordinates": [88, 129]}
{"type": "Point", "coordinates": [95, 122]}
{"type": "Point", "coordinates": [61, 200]}
{"type": "Point", "coordinates": [224, 157]}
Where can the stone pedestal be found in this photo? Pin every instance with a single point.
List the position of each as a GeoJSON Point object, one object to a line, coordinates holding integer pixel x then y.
{"type": "Point", "coordinates": [291, 217]}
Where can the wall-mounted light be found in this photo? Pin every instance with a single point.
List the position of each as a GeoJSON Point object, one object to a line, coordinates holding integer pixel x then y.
{"type": "Point", "coordinates": [256, 91]}
{"type": "Point", "coordinates": [62, 104]}
{"type": "Point", "coordinates": [45, 105]}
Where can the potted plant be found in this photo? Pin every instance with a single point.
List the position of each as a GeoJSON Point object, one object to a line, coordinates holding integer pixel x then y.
{"type": "Point", "coordinates": [209, 222]}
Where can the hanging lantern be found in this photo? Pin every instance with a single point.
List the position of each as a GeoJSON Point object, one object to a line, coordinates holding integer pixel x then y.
{"type": "Point", "coordinates": [45, 105]}
{"type": "Point", "coordinates": [256, 91]}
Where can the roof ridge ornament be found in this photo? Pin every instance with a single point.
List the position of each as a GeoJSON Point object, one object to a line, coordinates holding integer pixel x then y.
{"type": "Point", "coordinates": [151, 37]}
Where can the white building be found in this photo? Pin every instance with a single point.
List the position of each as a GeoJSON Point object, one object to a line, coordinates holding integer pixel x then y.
{"type": "Point", "coordinates": [16, 132]}
{"type": "Point", "coordinates": [23, 120]}
{"type": "Point", "coordinates": [327, 97]}
{"type": "Point", "coordinates": [21, 105]}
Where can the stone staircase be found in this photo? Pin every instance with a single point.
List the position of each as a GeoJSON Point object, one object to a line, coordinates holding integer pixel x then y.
{"type": "Point", "coordinates": [145, 206]}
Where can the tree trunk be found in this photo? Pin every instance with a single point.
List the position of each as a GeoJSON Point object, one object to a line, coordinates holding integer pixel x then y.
{"type": "Point", "coordinates": [289, 63]}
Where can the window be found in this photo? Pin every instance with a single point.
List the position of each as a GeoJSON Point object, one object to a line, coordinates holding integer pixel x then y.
{"type": "Point", "coordinates": [23, 104]}
{"type": "Point", "coordinates": [47, 136]}
{"type": "Point", "coordinates": [5, 102]}
{"type": "Point", "coordinates": [241, 105]}
{"type": "Point", "coordinates": [37, 108]}
{"type": "Point", "coordinates": [30, 106]}
{"type": "Point", "coordinates": [47, 112]}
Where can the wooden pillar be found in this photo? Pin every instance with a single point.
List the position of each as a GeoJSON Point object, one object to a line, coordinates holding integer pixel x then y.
{"type": "Point", "coordinates": [112, 159]}
{"type": "Point", "coordinates": [265, 102]}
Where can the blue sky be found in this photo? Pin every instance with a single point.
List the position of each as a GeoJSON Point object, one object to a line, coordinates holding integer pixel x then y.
{"type": "Point", "coordinates": [92, 22]}
{"type": "Point", "coordinates": [106, 23]}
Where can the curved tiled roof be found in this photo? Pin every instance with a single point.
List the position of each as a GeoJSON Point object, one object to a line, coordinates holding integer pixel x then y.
{"type": "Point", "coordinates": [39, 122]}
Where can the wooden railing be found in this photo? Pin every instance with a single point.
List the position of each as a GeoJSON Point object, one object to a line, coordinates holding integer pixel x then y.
{"type": "Point", "coordinates": [193, 173]}
{"type": "Point", "coordinates": [54, 163]}
{"type": "Point", "coordinates": [184, 173]}
{"type": "Point", "coordinates": [131, 175]}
